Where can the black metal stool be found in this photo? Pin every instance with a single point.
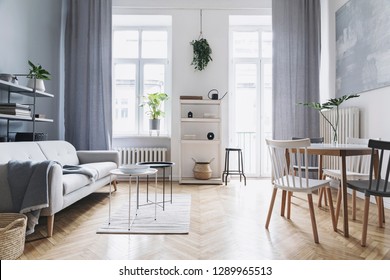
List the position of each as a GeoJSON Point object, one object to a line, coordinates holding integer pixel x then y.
{"type": "Point", "coordinates": [227, 170]}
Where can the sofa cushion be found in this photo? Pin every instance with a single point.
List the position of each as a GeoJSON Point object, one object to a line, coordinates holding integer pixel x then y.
{"type": "Point", "coordinates": [103, 168]}
{"type": "Point", "coordinates": [73, 182]}
{"type": "Point", "coordinates": [60, 151]}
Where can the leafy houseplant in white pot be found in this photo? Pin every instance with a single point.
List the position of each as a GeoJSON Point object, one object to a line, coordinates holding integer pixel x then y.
{"type": "Point", "coordinates": [155, 113]}
{"type": "Point", "coordinates": [36, 76]}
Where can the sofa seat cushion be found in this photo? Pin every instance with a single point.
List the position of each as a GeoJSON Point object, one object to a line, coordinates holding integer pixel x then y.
{"type": "Point", "coordinates": [103, 168]}
{"type": "Point", "coordinates": [73, 182]}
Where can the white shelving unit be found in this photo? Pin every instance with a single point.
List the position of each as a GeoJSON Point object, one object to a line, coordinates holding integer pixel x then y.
{"type": "Point", "coordinates": [11, 89]}
{"type": "Point", "coordinates": [194, 143]}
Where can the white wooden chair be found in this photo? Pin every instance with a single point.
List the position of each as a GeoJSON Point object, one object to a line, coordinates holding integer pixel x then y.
{"type": "Point", "coordinates": [282, 154]}
{"type": "Point", "coordinates": [358, 168]}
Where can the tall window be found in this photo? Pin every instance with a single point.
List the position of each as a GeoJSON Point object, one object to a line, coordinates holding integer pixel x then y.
{"type": "Point", "coordinates": [251, 85]}
{"type": "Point", "coordinates": [140, 66]}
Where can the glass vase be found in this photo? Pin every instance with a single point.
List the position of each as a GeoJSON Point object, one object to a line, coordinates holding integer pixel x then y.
{"type": "Point", "coordinates": [335, 138]}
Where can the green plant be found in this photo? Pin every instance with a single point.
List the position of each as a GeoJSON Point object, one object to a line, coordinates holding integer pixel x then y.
{"type": "Point", "coordinates": [202, 53]}
{"type": "Point", "coordinates": [330, 104]}
{"type": "Point", "coordinates": [154, 102]}
{"type": "Point", "coordinates": [37, 72]}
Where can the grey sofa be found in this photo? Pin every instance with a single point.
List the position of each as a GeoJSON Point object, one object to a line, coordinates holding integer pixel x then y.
{"type": "Point", "coordinates": [63, 189]}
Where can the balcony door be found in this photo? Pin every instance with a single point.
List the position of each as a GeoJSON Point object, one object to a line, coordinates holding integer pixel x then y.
{"type": "Point", "coordinates": [250, 109]}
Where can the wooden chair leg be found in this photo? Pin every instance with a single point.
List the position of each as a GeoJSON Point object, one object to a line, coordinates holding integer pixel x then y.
{"type": "Point", "coordinates": [312, 217]}
{"type": "Point", "coordinates": [289, 195]}
{"type": "Point", "coordinates": [353, 205]}
{"type": "Point", "coordinates": [283, 204]}
{"type": "Point", "coordinates": [383, 212]}
{"type": "Point", "coordinates": [271, 206]}
{"type": "Point", "coordinates": [338, 205]}
{"type": "Point", "coordinates": [325, 198]}
{"type": "Point", "coordinates": [331, 209]}
{"type": "Point", "coordinates": [365, 220]}
{"type": "Point", "coordinates": [380, 212]}
{"type": "Point", "coordinates": [50, 225]}
{"type": "Point", "coordinates": [320, 194]}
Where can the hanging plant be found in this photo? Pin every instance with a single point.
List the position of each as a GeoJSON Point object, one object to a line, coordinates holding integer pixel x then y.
{"type": "Point", "coordinates": [202, 50]}
{"type": "Point", "coordinates": [202, 54]}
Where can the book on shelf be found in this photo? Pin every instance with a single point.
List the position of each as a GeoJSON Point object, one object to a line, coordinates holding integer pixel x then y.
{"type": "Point", "coordinates": [191, 97]}
{"type": "Point", "coordinates": [14, 105]}
{"type": "Point", "coordinates": [15, 112]}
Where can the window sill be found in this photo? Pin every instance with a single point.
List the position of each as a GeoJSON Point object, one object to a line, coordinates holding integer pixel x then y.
{"type": "Point", "coordinates": [161, 136]}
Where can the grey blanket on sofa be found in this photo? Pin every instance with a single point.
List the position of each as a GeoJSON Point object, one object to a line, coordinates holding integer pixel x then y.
{"type": "Point", "coordinates": [28, 182]}
{"type": "Point", "coordinates": [77, 169]}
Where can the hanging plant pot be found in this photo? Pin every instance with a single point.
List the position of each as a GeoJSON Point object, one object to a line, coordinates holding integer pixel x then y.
{"type": "Point", "coordinates": [202, 53]}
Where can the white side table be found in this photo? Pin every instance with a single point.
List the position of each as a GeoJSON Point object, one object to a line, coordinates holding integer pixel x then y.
{"type": "Point", "coordinates": [136, 173]}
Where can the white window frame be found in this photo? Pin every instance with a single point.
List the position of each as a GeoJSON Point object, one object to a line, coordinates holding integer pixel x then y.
{"type": "Point", "coordinates": [259, 62]}
{"type": "Point", "coordinates": [139, 83]}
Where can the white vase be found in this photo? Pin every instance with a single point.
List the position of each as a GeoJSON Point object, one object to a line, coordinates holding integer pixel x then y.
{"type": "Point", "coordinates": [39, 84]}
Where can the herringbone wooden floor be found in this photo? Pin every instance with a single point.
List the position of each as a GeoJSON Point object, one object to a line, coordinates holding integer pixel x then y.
{"type": "Point", "coordinates": [227, 223]}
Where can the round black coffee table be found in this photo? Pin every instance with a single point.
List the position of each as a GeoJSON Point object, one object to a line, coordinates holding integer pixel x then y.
{"type": "Point", "coordinates": [159, 165]}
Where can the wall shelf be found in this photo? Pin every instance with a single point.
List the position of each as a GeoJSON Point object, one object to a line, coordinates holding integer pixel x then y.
{"type": "Point", "coordinates": [12, 89]}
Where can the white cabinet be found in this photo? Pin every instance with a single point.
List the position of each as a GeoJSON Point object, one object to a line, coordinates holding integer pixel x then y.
{"type": "Point", "coordinates": [200, 139]}
{"type": "Point", "coordinates": [12, 89]}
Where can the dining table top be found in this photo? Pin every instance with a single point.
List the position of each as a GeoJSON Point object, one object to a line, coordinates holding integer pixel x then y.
{"type": "Point", "coordinates": [338, 149]}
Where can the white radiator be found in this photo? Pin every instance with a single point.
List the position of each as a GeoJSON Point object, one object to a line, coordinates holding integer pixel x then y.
{"type": "Point", "coordinates": [135, 155]}
{"type": "Point", "coordinates": [349, 126]}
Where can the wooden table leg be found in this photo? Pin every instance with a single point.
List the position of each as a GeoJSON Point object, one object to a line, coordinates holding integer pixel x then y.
{"type": "Point", "coordinates": [345, 194]}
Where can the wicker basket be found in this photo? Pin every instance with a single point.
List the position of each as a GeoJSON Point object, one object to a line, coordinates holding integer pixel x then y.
{"type": "Point", "coordinates": [202, 171]}
{"type": "Point", "coordinates": [12, 235]}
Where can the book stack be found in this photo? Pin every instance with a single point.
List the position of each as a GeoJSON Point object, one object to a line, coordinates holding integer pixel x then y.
{"type": "Point", "coordinates": [15, 109]}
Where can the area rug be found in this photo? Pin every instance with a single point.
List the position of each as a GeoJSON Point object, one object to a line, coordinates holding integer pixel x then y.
{"type": "Point", "coordinates": [175, 219]}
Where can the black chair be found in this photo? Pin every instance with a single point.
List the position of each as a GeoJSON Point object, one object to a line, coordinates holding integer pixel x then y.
{"type": "Point", "coordinates": [240, 171]}
{"type": "Point", "coordinates": [377, 186]}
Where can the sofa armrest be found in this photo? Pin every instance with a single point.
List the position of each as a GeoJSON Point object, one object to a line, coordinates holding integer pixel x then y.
{"type": "Point", "coordinates": [56, 195]}
{"type": "Point", "coordinates": [98, 156]}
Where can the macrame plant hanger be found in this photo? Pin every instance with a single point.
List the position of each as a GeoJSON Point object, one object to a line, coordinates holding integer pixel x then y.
{"type": "Point", "coordinates": [201, 23]}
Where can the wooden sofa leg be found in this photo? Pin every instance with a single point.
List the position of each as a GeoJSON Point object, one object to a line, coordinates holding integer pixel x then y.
{"type": "Point", "coordinates": [50, 225]}
{"type": "Point", "coordinates": [114, 183]}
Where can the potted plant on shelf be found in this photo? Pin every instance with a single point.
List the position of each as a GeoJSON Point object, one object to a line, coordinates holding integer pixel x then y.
{"type": "Point", "coordinates": [36, 76]}
{"type": "Point", "coordinates": [329, 105]}
{"type": "Point", "coordinates": [155, 113]}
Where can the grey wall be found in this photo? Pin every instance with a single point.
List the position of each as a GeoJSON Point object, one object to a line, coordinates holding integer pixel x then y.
{"type": "Point", "coordinates": [30, 30]}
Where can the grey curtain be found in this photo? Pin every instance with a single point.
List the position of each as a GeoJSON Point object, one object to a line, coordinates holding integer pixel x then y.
{"type": "Point", "coordinates": [88, 110]}
{"type": "Point", "coordinates": [296, 67]}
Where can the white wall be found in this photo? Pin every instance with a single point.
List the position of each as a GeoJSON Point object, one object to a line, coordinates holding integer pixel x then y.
{"type": "Point", "coordinates": [374, 103]}
{"type": "Point", "coordinates": [185, 28]}
{"type": "Point", "coordinates": [30, 30]}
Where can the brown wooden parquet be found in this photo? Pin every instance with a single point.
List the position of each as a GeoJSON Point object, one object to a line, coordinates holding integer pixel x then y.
{"type": "Point", "coordinates": [227, 223]}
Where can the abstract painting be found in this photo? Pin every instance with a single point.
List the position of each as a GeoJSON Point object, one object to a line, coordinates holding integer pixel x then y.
{"type": "Point", "coordinates": [362, 46]}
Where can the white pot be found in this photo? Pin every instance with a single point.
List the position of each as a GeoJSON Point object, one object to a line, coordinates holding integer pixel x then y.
{"type": "Point", "coordinates": [39, 84]}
